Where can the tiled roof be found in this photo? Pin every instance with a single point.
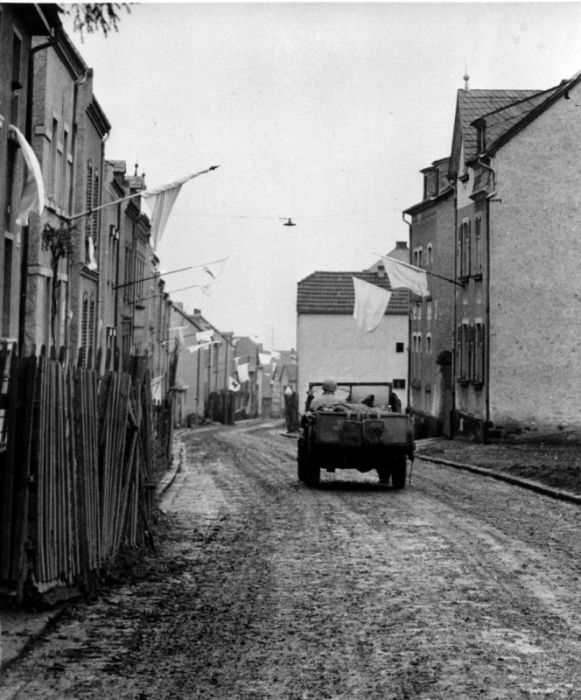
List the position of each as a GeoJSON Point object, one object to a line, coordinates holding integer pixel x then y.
{"type": "Point", "coordinates": [332, 293]}
{"type": "Point", "coordinates": [473, 104]}
{"type": "Point", "coordinates": [503, 119]}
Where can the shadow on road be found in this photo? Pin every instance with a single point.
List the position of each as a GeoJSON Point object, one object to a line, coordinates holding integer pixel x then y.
{"type": "Point", "coordinates": [363, 486]}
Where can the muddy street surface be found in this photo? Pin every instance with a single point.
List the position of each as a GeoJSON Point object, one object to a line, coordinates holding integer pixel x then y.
{"type": "Point", "coordinates": [457, 587]}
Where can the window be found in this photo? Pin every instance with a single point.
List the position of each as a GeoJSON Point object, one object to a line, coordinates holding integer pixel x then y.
{"type": "Point", "coordinates": [429, 255]}
{"type": "Point", "coordinates": [127, 289]}
{"type": "Point", "coordinates": [54, 169]}
{"type": "Point", "coordinates": [464, 244]}
{"type": "Point", "coordinates": [471, 352]}
{"type": "Point", "coordinates": [7, 288]}
{"type": "Point", "coordinates": [399, 383]}
{"type": "Point", "coordinates": [113, 254]}
{"type": "Point", "coordinates": [463, 342]}
{"type": "Point", "coordinates": [431, 184]}
{"type": "Point", "coordinates": [88, 207]}
{"type": "Point", "coordinates": [95, 217]}
{"type": "Point", "coordinates": [62, 312]}
{"type": "Point", "coordinates": [429, 309]}
{"type": "Point", "coordinates": [479, 353]}
{"type": "Point", "coordinates": [16, 78]}
{"type": "Point", "coordinates": [11, 151]}
{"type": "Point", "coordinates": [478, 246]}
{"type": "Point", "coordinates": [399, 347]}
{"type": "Point", "coordinates": [429, 344]}
{"type": "Point", "coordinates": [64, 169]}
{"type": "Point", "coordinates": [481, 138]}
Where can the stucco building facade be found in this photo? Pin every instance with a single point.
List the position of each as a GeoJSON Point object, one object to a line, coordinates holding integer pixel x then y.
{"type": "Point", "coordinates": [431, 341]}
{"type": "Point", "coordinates": [329, 343]}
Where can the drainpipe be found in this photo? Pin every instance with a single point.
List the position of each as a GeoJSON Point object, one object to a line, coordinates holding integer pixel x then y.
{"type": "Point", "coordinates": [409, 393]}
{"type": "Point", "coordinates": [489, 198]}
{"type": "Point", "coordinates": [77, 83]}
{"type": "Point", "coordinates": [100, 242]}
{"type": "Point", "coordinates": [455, 314]}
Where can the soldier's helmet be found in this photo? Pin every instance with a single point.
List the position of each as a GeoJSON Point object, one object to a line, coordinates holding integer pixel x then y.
{"type": "Point", "coordinates": [330, 385]}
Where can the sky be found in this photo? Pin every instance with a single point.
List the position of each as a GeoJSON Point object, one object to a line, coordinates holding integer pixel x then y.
{"type": "Point", "coordinates": [320, 112]}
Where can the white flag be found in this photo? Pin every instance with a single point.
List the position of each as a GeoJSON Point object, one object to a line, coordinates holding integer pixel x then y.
{"type": "Point", "coordinates": [233, 385]}
{"type": "Point", "coordinates": [92, 264]}
{"type": "Point", "coordinates": [161, 201]}
{"type": "Point", "coordinates": [156, 394]}
{"type": "Point", "coordinates": [404, 275]}
{"type": "Point", "coordinates": [370, 304]}
{"type": "Point", "coordinates": [264, 358]}
{"type": "Point", "coordinates": [32, 196]}
{"type": "Point", "coordinates": [204, 336]}
{"type": "Point", "coordinates": [243, 375]}
{"type": "Point", "coordinates": [194, 348]}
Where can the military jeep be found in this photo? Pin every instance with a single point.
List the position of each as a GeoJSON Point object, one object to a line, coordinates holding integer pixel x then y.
{"type": "Point", "coordinates": [352, 435]}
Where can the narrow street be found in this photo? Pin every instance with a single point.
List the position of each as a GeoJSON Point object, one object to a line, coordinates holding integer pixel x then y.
{"type": "Point", "coordinates": [457, 587]}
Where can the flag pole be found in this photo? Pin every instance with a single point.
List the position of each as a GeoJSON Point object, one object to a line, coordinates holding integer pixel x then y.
{"type": "Point", "coordinates": [163, 274]}
{"type": "Point", "coordinates": [173, 291]}
{"type": "Point", "coordinates": [88, 212]}
{"type": "Point", "coordinates": [152, 277]}
{"type": "Point", "coordinates": [421, 269]}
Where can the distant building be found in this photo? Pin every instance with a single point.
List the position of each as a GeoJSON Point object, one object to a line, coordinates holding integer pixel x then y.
{"type": "Point", "coordinates": [329, 342]}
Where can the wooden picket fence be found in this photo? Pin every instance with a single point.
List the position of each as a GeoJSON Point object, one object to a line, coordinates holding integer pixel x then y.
{"type": "Point", "coordinates": [77, 467]}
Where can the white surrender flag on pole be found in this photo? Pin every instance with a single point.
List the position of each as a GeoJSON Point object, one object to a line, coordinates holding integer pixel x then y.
{"type": "Point", "coordinates": [32, 196]}
{"type": "Point", "coordinates": [404, 275]}
{"type": "Point", "coordinates": [161, 201]}
{"type": "Point", "coordinates": [370, 304]}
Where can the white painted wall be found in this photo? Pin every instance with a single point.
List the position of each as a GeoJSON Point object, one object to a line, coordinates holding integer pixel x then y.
{"type": "Point", "coordinates": [332, 346]}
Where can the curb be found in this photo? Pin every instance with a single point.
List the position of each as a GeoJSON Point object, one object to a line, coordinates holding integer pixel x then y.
{"type": "Point", "coordinates": [179, 452]}
{"type": "Point", "coordinates": [558, 494]}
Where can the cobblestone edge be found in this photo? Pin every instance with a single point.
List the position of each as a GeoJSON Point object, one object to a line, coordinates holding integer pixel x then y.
{"type": "Point", "coordinates": [528, 484]}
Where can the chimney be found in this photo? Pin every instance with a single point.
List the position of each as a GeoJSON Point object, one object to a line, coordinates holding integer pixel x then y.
{"type": "Point", "coordinates": [381, 271]}
{"type": "Point", "coordinates": [197, 312]}
{"type": "Point", "coordinates": [401, 244]}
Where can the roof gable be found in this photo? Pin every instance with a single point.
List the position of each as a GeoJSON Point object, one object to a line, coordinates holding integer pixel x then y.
{"type": "Point", "coordinates": [470, 106]}
{"type": "Point", "coordinates": [333, 293]}
{"type": "Point", "coordinates": [537, 106]}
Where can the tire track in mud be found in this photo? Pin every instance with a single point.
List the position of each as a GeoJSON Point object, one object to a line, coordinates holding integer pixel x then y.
{"type": "Point", "coordinates": [454, 588]}
{"type": "Point", "coordinates": [495, 579]}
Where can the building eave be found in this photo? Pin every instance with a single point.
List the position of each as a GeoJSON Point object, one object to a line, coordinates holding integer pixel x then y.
{"type": "Point", "coordinates": [429, 203]}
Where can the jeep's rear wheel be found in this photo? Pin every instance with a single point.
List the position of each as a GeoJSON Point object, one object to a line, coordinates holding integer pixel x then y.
{"type": "Point", "coordinates": [399, 472]}
{"type": "Point", "coordinates": [313, 473]}
{"type": "Point", "coordinates": [302, 462]}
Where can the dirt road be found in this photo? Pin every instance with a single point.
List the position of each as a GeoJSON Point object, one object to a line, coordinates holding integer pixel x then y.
{"type": "Point", "coordinates": [457, 587]}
